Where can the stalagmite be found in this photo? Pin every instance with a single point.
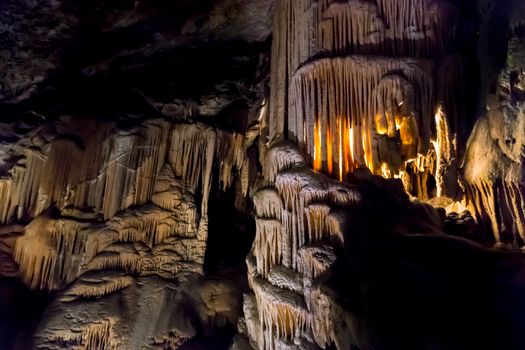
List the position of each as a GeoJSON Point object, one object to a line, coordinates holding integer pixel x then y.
{"type": "Point", "coordinates": [295, 224]}
{"type": "Point", "coordinates": [354, 84]}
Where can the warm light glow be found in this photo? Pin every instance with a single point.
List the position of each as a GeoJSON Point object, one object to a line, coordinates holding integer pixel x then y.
{"type": "Point", "coordinates": [455, 207]}
{"type": "Point", "coordinates": [329, 151]}
{"type": "Point", "coordinates": [407, 132]}
{"type": "Point", "coordinates": [367, 149]}
{"type": "Point", "coordinates": [352, 149]}
{"type": "Point", "coordinates": [399, 121]}
{"type": "Point", "coordinates": [385, 170]}
{"type": "Point", "coordinates": [381, 124]}
{"type": "Point", "coordinates": [442, 148]}
{"type": "Point", "coordinates": [318, 158]}
{"type": "Point", "coordinates": [340, 134]}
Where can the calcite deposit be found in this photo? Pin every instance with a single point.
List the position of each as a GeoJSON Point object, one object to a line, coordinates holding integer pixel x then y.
{"type": "Point", "coordinates": [125, 210]}
{"type": "Point", "coordinates": [357, 87]}
{"type": "Point", "coordinates": [262, 174]}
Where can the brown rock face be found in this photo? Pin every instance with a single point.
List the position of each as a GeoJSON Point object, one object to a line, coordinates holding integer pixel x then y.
{"type": "Point", "coordinates": [119, 121]}
{"type": "Point", "coordinates": [495, 160]}
{"type": "Point", "coordinates": [120, 207]}
{"type": "Point", "coordinates": [372, 85]}
{"type": "Point", "coordinates": [145, 146]}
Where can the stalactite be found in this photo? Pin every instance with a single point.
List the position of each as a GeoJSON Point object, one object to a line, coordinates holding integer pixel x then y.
{"type": "Point", "coordinates": [96, 335]}
{"type": "Point", "coordinates": [298, 187]}
{"type": "Point", "coordinates": [337, 227]}
{"type": "Point", "coordinates": [107, 171]}
{"type": "Point", "coordinates": [500, 204]}
{"type": "Point", "coordinates": [280, 310]}
{"type": "Point", "coordinates": [316, 221]}
{"type": "Point", "coordinates": [305, 29]}
{"type": "Point", "coordinates": [267, 203]}
{"type": "Point", "coordinates": [54, 252]}
{"type": "Point", "coordinates": [97, 287]}
{"type": "Point", "coordinates": [353, 84]}
{"type": "Point", "coordinates": [267, 245]}
{"type": "Point", "coordinates": [230, 154]}
{"type": "Point", "coordinates": [48, 252]}
{"type": "Point", "coordinates": [316, 258]}
{"type": "Point", "coordinates": [128, 262]}
{"type": "Point", "coordinates": [108, 174]}
{"type": "Point", "coordinates": [294, 225]}
{"type": "Point", "coordinates": [192, 151]}
{"type": "Point", "coordinates": [323, 96]}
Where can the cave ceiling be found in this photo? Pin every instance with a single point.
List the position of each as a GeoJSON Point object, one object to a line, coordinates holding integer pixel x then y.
{"type": "Point", "coordinates": [129, 59]}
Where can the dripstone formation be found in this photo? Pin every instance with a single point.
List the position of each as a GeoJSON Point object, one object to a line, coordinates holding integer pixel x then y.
{"type": "Point", "coordinates": [183, 175]}
{"type": "Point", "coordinates": [366, 86]}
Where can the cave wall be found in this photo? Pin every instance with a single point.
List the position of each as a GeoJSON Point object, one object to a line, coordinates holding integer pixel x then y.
{"type": "Point", "coordinates": [118, 129]}
{"type": "Point", "coordinates": [494, 163]}
{"type": "Point", "coordinates": [122, 122]}
{"type": "Point", "coordinates": [363, 88]}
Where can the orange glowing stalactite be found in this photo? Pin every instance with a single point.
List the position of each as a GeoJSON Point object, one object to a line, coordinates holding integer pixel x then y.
{"type": "Point", "coordinates": [347, 156]}
{"type": "Point", "coordinates": [367, 149]}
{"type": "Point", "coordinates": [342, 159]}
{"type": "Point", "coordinates": [352, 147]}
{"type": "Point", "coordinates": [318, 157]}
{"type": "Point", "coordinates": [340, 136]}
{"type": "Point", "coordinates": [329, 152]}
{"type": "Point", "coordinates": [442, 149]}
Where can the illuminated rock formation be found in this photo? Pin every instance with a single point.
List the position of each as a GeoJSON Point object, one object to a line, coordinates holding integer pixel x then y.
{"type": "Point", "coordinates": [119, 208]}
{"type": "Point", "coordinates": [355, 84]}
{"type": "Point", "coordinates": [494, 166]}
{"type": "Point", "coordinates": [342, 91]}
{"type": "Point", "coordinates": [304, 221]}
{"type": "Point", "coordinates": [343, 173]}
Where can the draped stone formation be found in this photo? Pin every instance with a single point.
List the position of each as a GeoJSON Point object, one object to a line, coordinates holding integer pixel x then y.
{"type": "Point", "coordinates": [494, 165]}
{"type": "Point", "coordinates": [355, 84]}
{"type": "Point", "coordinates": [304, 224]}
{"type": "Point", "coordinates": [296, 241]}
{"type": "Point", "coordinates": [112, 210]}
{"type": "Point", "coordinates": [376, 84]}
{"type": "Point", "coordinates": [361, 83]}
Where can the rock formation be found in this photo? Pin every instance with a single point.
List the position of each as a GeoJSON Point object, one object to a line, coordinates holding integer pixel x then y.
{"type": "Point", "coordinates": [365, 85]}
{"type": "Point", "coordinates": [494, 164]}
{"type": "Point", "coordinates": [120, 207]}
{"type": "Point", "coordinates": [371, 161]}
